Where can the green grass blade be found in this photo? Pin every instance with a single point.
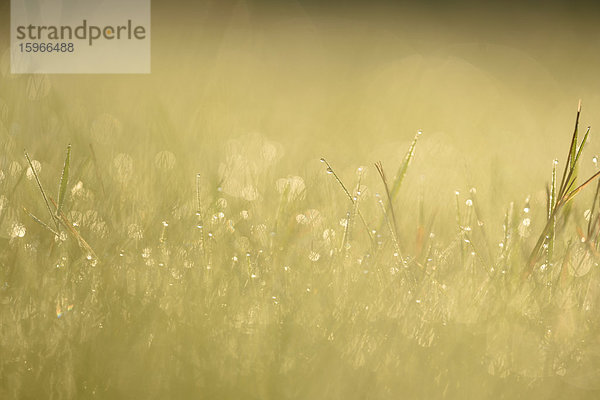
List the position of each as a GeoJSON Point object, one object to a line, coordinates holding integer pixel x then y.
{"type": "Point", "coordinates": [569, 165]}
{"type": "Point", "coordinates": [332, 172]}
{"type": "Point", "coordinates": [552, 200]}
{"type": "Point", "coordinates": [39, 221]}
{"type": "Point", "coordinates": [64, 179]}
{"type": "Point", "coordinates": [573, 151]}
{"type": "Point", "coordinates": [404, 167]}
{"type": "Point", "coordinates": [591, 220]}
{"type": "Point", "coordinates": [337, 178]}
{"type": "Point", "coordinates": [37, 180]}
{"type": "Point", "coordinates": [379, 167]}
{"type": "Point", "coordinates": [583, 143]}
{"type": "Point", "coordinates": [574, 192]}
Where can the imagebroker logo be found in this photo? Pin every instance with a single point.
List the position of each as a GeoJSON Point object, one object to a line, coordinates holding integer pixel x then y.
{"type": "Point", "coordinates": [87, 36]}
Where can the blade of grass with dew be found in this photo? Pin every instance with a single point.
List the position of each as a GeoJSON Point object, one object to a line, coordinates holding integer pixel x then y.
{"type": "Point", "coordinates": [565, 194]}
{"type": "Point", "coordinates": [379, 167]}
{"type": "Point", "coordinates": [39, 221]}
{"type": "Point", "coordinates": [551, 216]}
{"type": "Point", "coordinates": [391, 228]}
{"type": "Point", "coordinates": [64, 179]}
{"type": "Point", "coordinates": [481, 225]}
{"type": "Point", "coordinates": [401, 173]}
{"type": "Point", "coordinates": [96, 169]}
{"type": "Point", "coordinates": [575, 191]}
{"type": "Point", "coordinates": [37, 179]}
{"type": "Point", "coordinates": [569, 164]}
{"type": "Point", "coordinates": [592, 219]}
{"type": "Point", "coordinates": [575, 173]}
{"type": "Point", "coordinates": [542, 239]}
{"type": "Point", "coordinates": [200, 219]}
{"type": "Point", "coordinates": [332, 172]}
{"type": "Point", "coordinates": [80, 240]}
{"type": "Point", "coordinates": [356, 198]}
{"type": "Point", "coordinates": [343, 246]}
{"type": "Point", "coordinates": [404, 167]}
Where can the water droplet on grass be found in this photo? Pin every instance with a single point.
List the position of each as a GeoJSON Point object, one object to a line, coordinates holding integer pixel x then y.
{"type": "Point", "coordinates": [18, 230]}
{"type": "Point", "coordinates": [37, 167]}
{"type": "Point", "coordinates": [314, 256]}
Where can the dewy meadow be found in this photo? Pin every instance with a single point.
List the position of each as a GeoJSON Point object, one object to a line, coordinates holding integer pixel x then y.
{"type": "Point", "coordinates": [303, 224]}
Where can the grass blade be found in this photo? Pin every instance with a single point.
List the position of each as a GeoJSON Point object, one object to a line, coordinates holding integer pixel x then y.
{"type": "Point", "coordinates": [37, 179]}
{"type": "Point", "coordinates": [39, 221]}
{"type": "Point", "coordinates": [583, 142]}
{"type": "Point", "coordinates": [64, 179]}
{"type": "Point", "coordinates": [332, 172]}
{"type": "Point", "coordinates": [592, 219]}
{"type": "Point", "coordinates": [574, 192]}
{"type": "Point", "coordinates": [552, 199]}
{"type": "Point", "coordinates": [379, 167]}
{"type": "Point", "coordinates": [569, 165]}
{"type": "Point", "coordinates": [91, 254]}
{"type": "Point", "coordinates": [404, 167]}
{"type": "Point", "coordinates": [562, 199]}
{"type": "Point", "coordinates": [552, 216]}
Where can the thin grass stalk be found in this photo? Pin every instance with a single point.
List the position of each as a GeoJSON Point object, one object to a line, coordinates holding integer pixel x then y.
{"type": "Point", "coordinates": [562, 202]}
{"type": "Point", "coordinates": [200, 219]}
{"type": "Point", "coordinates": [390, 227]}
{"type": "Point", "coordinates": [64, 180]}
{"type": "Point", "coordinates": [364, 222]}
{"type": "Point", "coordinates": [80, 240]}
{"type": "Point", "coordinates": [42, 223]}
{"type": "Point", "coordinates": [379, 167]}
{"type": "Point", "coordinates": [592, 221]}
{"type": "Point", "coordinates": [551, 216]}
{"type": "Point", "coordinates": [97, 170]}
{"type": "Point", "coordinates": [343, 247]}
{"type": "Point", "coordinates": [568, 165]}
{"type": "Point", "coordinates": [401, 173]}
{"type": "Point", "coordinates": [37, 180]}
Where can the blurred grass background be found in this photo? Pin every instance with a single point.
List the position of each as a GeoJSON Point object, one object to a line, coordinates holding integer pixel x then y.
{"type": "Point", "coordinates": [355, 81]}
{"type": "Point", "coordinates": [246, 93]}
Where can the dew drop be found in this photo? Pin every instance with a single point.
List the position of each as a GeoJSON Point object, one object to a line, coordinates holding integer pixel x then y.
{"type": "Point", "coordinates": [314, 256]}
{"type": "Point", "coordinates": [18, 230]}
